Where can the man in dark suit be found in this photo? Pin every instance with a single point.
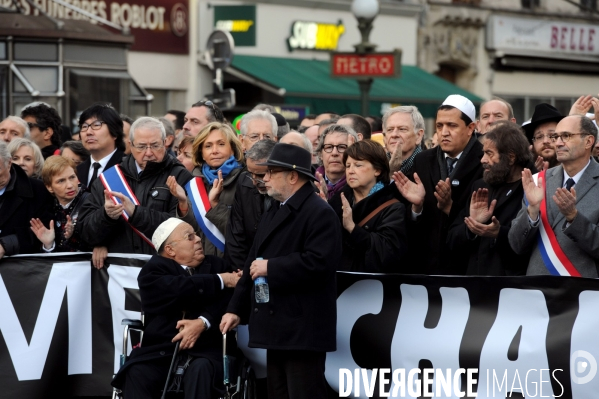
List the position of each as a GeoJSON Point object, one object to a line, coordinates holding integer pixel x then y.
{"type": "Point", "coordinates": [567, 199]}
{"type": "Point", "coordinates": [183, 297]}
{"type": "Point", "coordinates": [441, 187]}
{"type": "Point", "coordinates": [297, 249]}
{"type": "Point", "coordinates": [21, 199]}
{"type": "Point", "coordinates": [102, 135]}
{"type": "Point", "coordinates": [481, 229]}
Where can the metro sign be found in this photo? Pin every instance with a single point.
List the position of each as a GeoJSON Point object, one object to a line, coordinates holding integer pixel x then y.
{"type": "Point", "coordinates": [372, 65]}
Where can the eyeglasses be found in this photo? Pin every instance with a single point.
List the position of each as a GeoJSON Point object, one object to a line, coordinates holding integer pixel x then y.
{"type": "Point", "coordinates": [95, 125]}
{"type": "Point", "coordinates": [270, 172]}
{"type": "Point", "coordinates": [152, 147]}
{"type": "Point", "coordinates": [32, 125]}
{"type": "Point", "coordinates": [256, 137]}
{"type": "Point", "coordinates": [540, 137]}
{"type": "Point", "coordinates": [255, 178]}
{"type": "Point", "coordinates": [329, 148]}
{"type": "Point", "coordinates": [565, 136]}
{"type": "Point", "coordinates": [187, 237]}
{"type": "Point", "coordinates": [218, 115]}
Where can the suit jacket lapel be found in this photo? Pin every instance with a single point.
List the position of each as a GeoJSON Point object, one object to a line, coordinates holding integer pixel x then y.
{"type": "Point", "coordinates": [554, 180]}
{"type": "Point", "coordinates": [277, 217]}
{"type": "Point", "coordinates": [587, 180]}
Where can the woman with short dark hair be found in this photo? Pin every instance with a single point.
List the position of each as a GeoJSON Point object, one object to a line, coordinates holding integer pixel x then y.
{"type": "Point", "coordinates": [75, 151]}
{"type": "Point", "coordinates": [374, 232]}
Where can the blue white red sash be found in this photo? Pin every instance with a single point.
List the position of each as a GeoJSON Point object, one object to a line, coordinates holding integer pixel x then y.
{"type": "Point", "coordinates": [114, 180]}
{"type": "Point", "coordinates": [200, 204]}
{"type": "Point", "coordinates": [553, 256]}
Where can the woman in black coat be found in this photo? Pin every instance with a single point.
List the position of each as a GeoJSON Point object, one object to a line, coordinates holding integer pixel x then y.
{"type": "Point", "coordinates": [374, 232]}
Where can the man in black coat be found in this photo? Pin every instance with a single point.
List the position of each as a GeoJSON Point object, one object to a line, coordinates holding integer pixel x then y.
{"type": "Point", "coordinates": [146, 171]}
{"type": "Point", "coordinates": [481, 229]}
{"type": "Point", "coordinates": [183, 297]}
{"type": "Point", "coordinates": [249, 204]}
{"type": "Point", "coordinates": [21, 199]}
{"type": "Point", "coordinates": [297, 249]}
{"type": "Point", "coordinates": [443, 184]}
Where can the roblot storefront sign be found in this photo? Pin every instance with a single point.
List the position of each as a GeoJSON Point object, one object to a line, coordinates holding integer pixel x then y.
{"type": "Point", "coordinates": [158, 25]}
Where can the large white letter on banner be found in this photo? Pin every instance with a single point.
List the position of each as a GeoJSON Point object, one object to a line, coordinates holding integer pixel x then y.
{"type": "Point", "coordinates": [363, 297]}
{"type": "Point", "coordinates": [584, 348]}
{"type": "Point", "coordinates": [517, 308]}
{"type": "Point", "coordinates": [29, 358]}
{"type": "Point", "coordinates": [121, 277]}
{"type": "Point", "coordinates": [413, 342]}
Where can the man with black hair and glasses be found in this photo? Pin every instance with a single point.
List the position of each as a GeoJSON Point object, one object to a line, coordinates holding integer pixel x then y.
{"type": "Point", "coordinates": [44, 127]}
{"type": "Point", "coordinates": [102, 135]}
{"type": "Point", "coordinates": [199, 115]}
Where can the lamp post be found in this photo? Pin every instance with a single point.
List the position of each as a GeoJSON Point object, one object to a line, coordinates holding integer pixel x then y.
{"type": "Point", "coordinates": [365, 12]}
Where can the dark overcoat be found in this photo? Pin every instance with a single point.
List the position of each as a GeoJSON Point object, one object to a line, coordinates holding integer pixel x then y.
{"type": "Point", "coordinates": [302, 242]}
{"type": "Point", "coordinates": [166, 290]}
{"type": "Point", "coordinates": [491, 256]}
{"type": "Point", "coordinates": [428, 234]}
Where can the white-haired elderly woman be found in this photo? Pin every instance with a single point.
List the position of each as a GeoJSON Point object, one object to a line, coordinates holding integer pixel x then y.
{"type": "Point", "coordinates": [27, 155]}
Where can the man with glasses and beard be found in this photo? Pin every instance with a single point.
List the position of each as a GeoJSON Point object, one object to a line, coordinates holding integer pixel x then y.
{"type": "Point", "coordinates": [482, 227]}
{"type": "Point", "coordinates": [541, 127]}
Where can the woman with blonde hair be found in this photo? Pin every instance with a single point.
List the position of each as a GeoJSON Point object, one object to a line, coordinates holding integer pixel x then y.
{"type": "Point", "coordinates": [27, 155]}
{"type": "Point", "coordinates": [218, 157]}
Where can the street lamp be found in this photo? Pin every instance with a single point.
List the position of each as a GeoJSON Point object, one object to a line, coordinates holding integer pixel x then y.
{"type": "Point", "coordinates": [365, 12]}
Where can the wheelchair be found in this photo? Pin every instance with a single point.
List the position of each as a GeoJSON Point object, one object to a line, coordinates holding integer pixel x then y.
{"type": "Point", "coordinates": [239, 377]}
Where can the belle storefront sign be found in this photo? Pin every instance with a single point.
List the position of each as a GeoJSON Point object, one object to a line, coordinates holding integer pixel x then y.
{"type": "Point", "coordinates": [374, 65]}
{"type": "Point", "coordinates": [157, 25]}
{"type": "Point", "coordinates": [315, 36]}
{"type": "Point", "coordinates": [542, 37]}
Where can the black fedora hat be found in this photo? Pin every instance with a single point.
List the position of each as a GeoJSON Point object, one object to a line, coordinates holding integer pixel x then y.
{"type": "Point", "coordinates": [290, 157]}
{"type": "Point", "coordinates": [543, 113]}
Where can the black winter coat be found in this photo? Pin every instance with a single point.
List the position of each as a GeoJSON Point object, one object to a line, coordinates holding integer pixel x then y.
{"type": "Point", "coordinates": [428, 235]}
{"type": "Point", "coordinates": [157, 205]}
{"type": "Point", "coordinates": [25, 198]}
{"type": "Point", "coordinates": [302, 242]}
{"type": "Point", "coordinates": [380, 245]}
{"type": "Point", "coordinates": [166, 290]}
{"type": "Point", "coordinates": [248, 206]}
{"type": "Point", "coordinates": [491, 256]}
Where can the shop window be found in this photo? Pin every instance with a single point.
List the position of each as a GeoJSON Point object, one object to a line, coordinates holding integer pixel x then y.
{"type": "Point", "coordinates": [41, 79]}
{"type": "Point", "coordinates": [3, 55]}
{"type": "Point", "coordinates": [94, 54]}
{"type": "Point", "coordinates": [36, 51]}
{"type": "Point", "coordinates": [530, 4]}
{"type": "Point", "coordinates": [524, 107]}
{"type": "Point", "coordinates": [588, 5]}
{"type": "Point", "coordinates": [160, 102]}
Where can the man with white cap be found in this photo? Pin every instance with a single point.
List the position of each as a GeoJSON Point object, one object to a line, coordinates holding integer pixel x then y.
{"type": "Point", "coordinates": [183, 296]}
{"type": "Point", "coordinates": [441, 185]}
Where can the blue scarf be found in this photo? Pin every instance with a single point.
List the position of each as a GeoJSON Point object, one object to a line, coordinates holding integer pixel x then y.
{"type": "Point", "coordinates": [226, 168]}
{"type": "Point", "coordinates": [379, 185]}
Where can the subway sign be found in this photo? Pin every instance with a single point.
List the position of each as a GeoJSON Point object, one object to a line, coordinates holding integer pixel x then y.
{"type": "Point", "coordinates": [240, 21]}
{"type": "Point", "coordinates": [315, 36]}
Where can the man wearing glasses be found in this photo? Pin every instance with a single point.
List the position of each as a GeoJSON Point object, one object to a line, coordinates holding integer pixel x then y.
{"type": "Point", "coordinates": [541, 127]}
{"type": "Point", "coordinates": [199, 115]}
{"type": "Point", "coordinates": [558, 220]}
{"type": "Point", "coordinates": [145, 172]}
{"type": "Point", "coordinates": [297, 249]}
{"type": "Point", "coordinates": [102, 135]}
{"type": "Point", "coordinates": [257, 125]}
{"type": "Point", "coordinates": [44, 127]}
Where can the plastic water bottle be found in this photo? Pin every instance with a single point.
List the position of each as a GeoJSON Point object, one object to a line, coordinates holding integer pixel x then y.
{"type": "Point", "coordinates": [261, 287]}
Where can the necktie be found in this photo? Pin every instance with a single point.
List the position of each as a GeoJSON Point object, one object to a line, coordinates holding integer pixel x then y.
{"type": "Point", "coordinates": [96, 166]}
{"type": "Point", "coordinates": [451, 164]}
{"type": "Point", "coordinates": [267, 203]}
{"type": "Point", "coordinates": [190, 271]}
{"type": "Point", "coordinates": [570, 183]}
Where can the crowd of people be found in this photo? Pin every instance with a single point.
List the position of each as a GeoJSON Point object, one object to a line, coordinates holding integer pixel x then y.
{"type": "Point", "coordinates": [483, 196]}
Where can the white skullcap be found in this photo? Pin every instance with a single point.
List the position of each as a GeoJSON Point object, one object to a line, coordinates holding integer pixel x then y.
{"type": "Point", "coordinates": [591, 115]}
{"type": "Point", "coordinates": [463, 104]}
{"type": "Point", "coordinates": [164, 230]}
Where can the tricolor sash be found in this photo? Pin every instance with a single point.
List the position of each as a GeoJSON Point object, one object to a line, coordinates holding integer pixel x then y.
{"type": "Point", "coordinates": [200, 204]}
{"type": "Point", "coordinates": [553, 256]}
{"type": "Point", "coordinates": [114, 180]}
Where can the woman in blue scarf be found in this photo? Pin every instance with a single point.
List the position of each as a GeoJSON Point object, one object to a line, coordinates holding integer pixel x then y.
{"type": "Point", "coordinates": [374, 231]}
{"type": "Point", "coordinates": [218, 157]}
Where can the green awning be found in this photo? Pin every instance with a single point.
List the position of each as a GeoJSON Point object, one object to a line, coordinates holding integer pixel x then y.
{"type": "Point", "coordinates": [309, 82]}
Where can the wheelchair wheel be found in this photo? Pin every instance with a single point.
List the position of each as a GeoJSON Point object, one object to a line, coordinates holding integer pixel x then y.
{"type": "Point", "coordinates": [249, 383]}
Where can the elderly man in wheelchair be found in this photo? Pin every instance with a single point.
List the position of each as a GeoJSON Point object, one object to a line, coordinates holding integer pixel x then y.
{"type": "Point", "coordinates": [184, 294]}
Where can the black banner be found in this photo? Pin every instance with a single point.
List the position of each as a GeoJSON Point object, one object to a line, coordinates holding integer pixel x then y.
{"type": "Point", "coordinates": [531, 336]}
